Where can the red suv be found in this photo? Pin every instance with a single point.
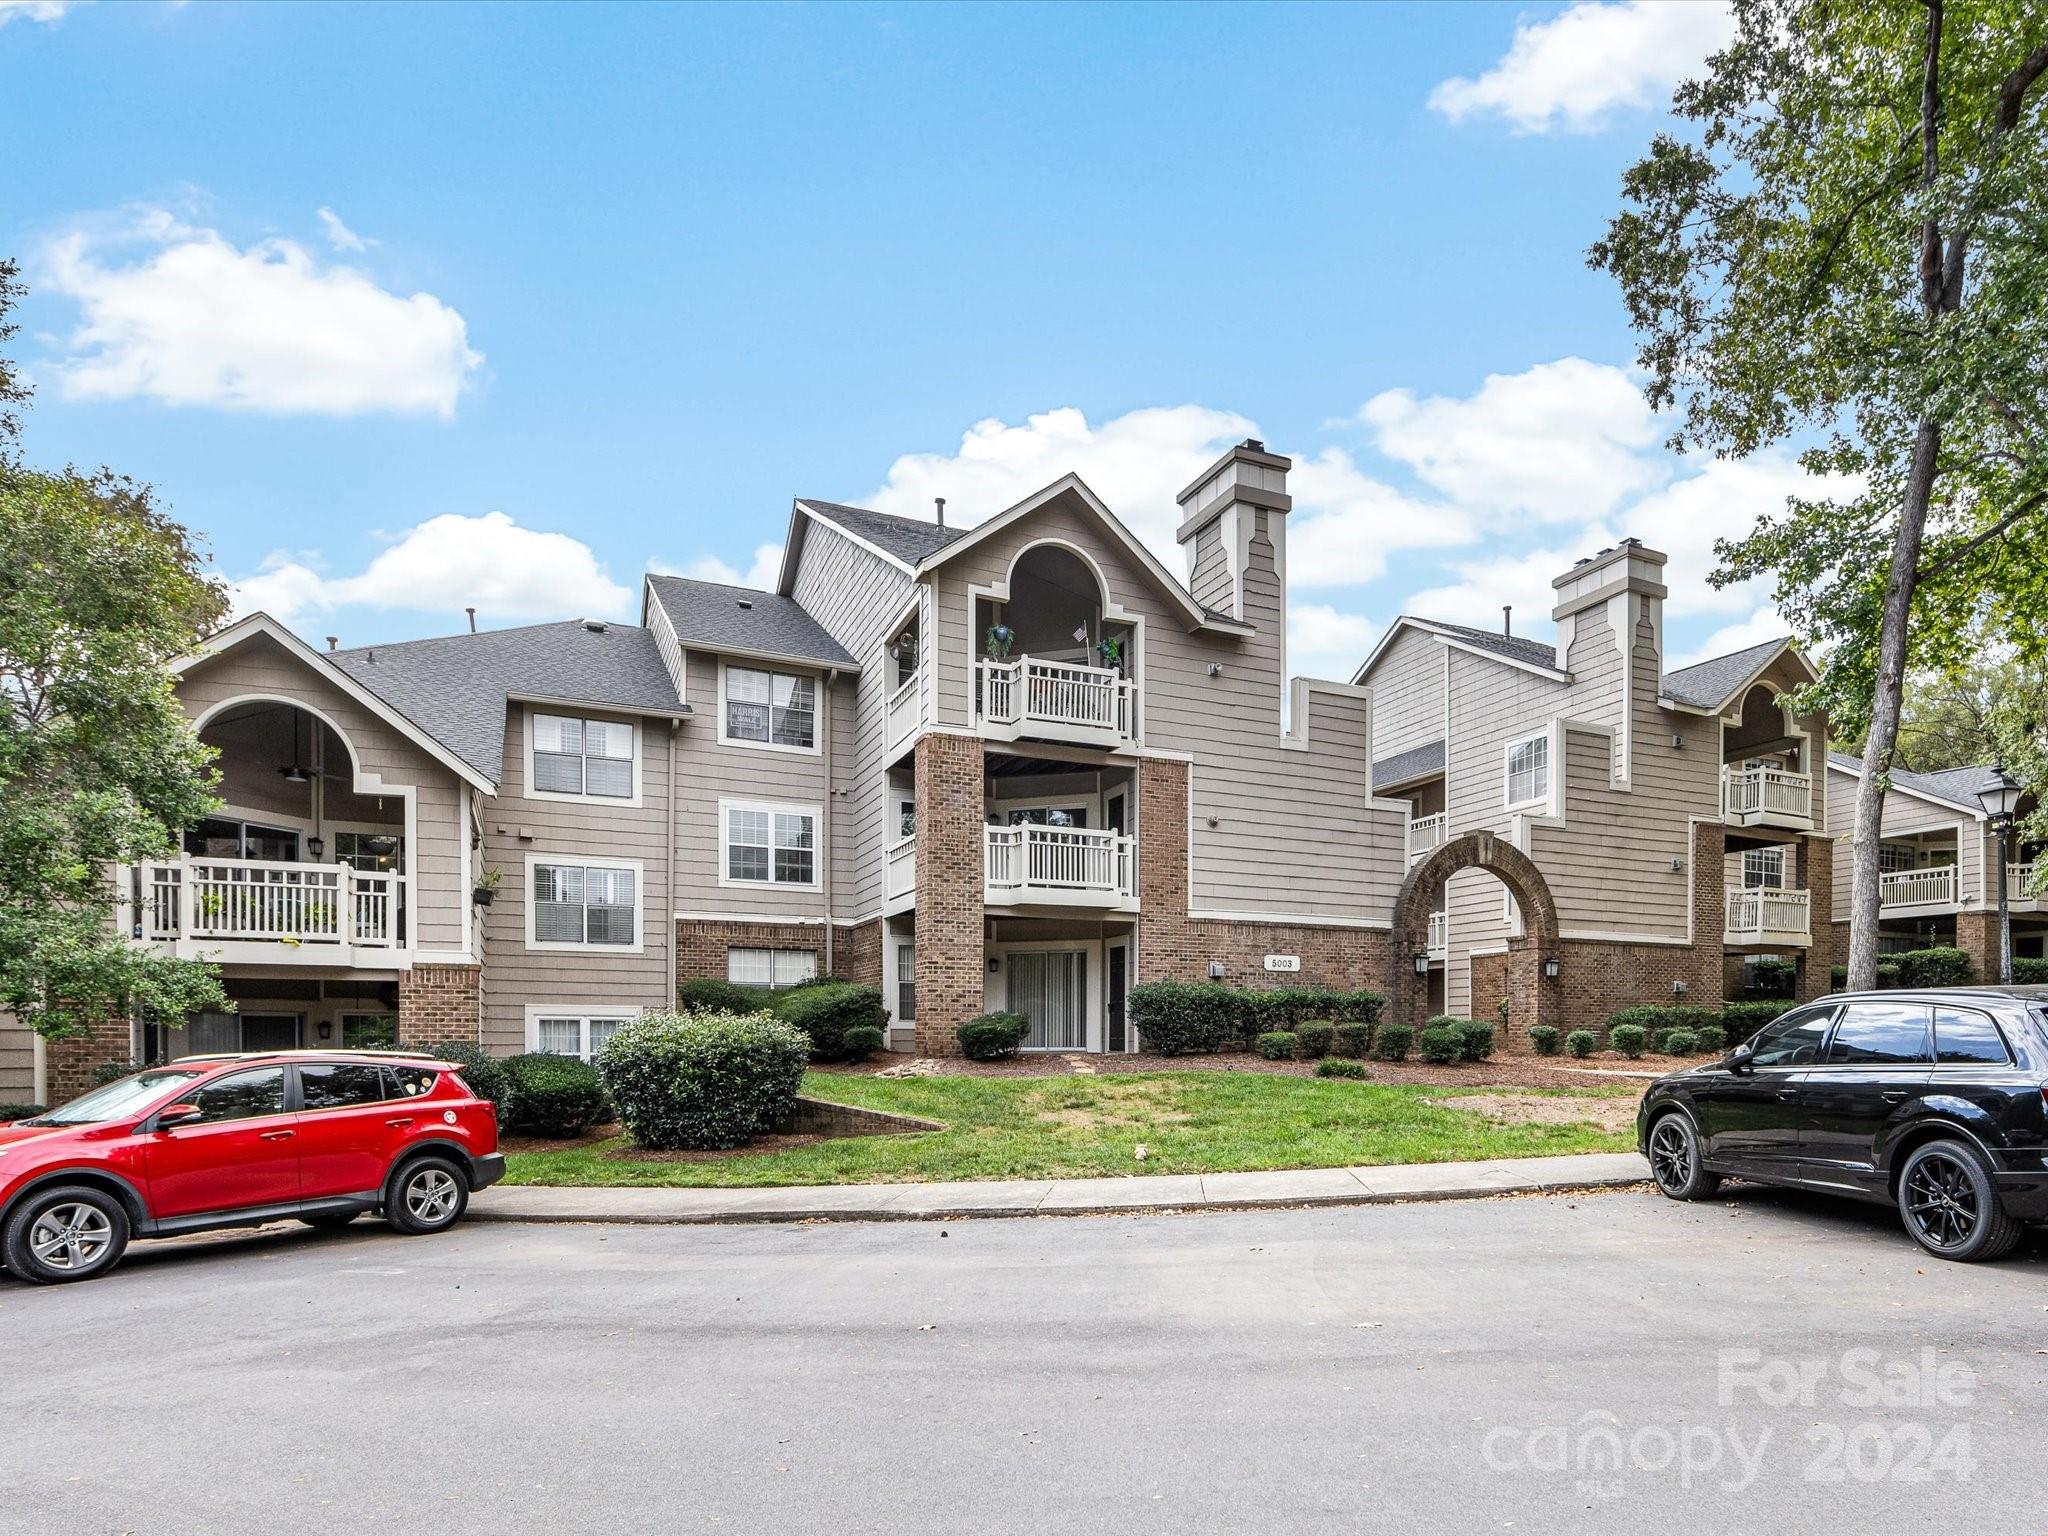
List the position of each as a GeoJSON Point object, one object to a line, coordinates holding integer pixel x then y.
{"type": "Point", "coordinates": [235, 1141]}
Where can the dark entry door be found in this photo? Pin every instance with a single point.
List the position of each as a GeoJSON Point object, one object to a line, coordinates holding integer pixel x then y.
{"type": "Point", "coordinates": [1118, 985]}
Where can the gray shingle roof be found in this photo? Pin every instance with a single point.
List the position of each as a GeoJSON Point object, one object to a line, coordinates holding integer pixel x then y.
{"type": "Point", "coordinates": [454, 688]}
{"type": "Point", "coordinates": [711, 616]}
{"type": "Point", "coordinates": [1539, 653]}
{"type": "Point", "coordinates": [1708, 684]}
{"type": "Point", "coordinates": [1415, 763]}
{"type": "Point", "coordinates": [1956, 786]}
{"type": "Point", "coordinates": [909, 539]}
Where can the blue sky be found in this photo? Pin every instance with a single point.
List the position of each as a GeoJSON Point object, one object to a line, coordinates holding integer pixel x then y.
{"type": "Point", "coordinates": [600, 287]}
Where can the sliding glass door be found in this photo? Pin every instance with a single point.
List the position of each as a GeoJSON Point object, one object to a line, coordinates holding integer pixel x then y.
{"type": "Point", "coordinates": [1050, 988]}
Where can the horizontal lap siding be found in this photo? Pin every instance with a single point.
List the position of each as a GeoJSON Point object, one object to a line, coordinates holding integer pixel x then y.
{"type": "Point", "coordinates": [17, 1061]}
{"type": "Point", "coordinates": [1905, 816]}
{"type": "Point", "coordinates": [437, 902]}
{"type": "Point", "coordinates": [1407, 685]}
{"type": "Point", "coordinates": [515, 976]}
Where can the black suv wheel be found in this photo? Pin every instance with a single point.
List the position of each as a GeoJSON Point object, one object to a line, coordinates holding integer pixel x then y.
{"type": "Point", "coordinates": [1675, 1160]}
{"type": "Point", "coordinates": [1949, 1204]}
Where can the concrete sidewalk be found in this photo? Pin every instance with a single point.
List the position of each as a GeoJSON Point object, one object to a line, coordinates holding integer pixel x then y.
{"type": "Point", "coordinates": [1066, 1197]}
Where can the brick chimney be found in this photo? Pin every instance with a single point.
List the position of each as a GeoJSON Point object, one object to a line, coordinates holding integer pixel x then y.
{"type": "Point", "coordinates": [1242, 493]}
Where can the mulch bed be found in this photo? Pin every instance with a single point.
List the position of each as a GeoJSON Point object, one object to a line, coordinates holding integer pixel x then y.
{"type": "Point", "coordinates": [1502, 1072]}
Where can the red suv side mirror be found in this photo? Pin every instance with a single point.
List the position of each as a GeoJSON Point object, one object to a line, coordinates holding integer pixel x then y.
{"type": "Point", "coordinates": [177, 1114]}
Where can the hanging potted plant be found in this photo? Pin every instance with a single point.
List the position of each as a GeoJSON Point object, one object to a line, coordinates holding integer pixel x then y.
{"type": "Point", "coordinates": [487, 884]}
{"type": "Point", "coordinates": [1000, 638]}
{"type": "Point", "coordinates": [1111, 651]}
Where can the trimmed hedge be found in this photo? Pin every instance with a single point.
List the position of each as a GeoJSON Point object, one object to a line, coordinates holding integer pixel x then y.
{"type": "Point", "coordinates": [1543, 1038]}
{"type": "Point", "coordinates": [1181, 1018]}
{"type": "Point", "coordinates": [1341, 1066]}
{"type": "Point", "coordinates": [1278, 1044]}
{"type": "Point", "coordinates": [993, 1036]}
{"type": "Point", "coordinates": [1475, 1036]}
{"type": "Point", "coordinates": [1351, 1040]}
{"type": "Point", "coordinates": [703, 1080]}
{"type": "Point", "coordinates": [10, 1112]}
{"type": "Point", "coordinates": [708, 994]}
{"type": "Point", "coordinates": [1628, 1039]}
{"type": "Point", "coordinates": [1440, 1044]}
{"type": "Point", "coordinates": [1580, 1042]}
{"type": "Point", "coordinates": [1678, 1042]}
{"type": "Point", "coordinates": [863, 1040]}
{"type": "Point", "coordinates": [1733, 1021]}
{"type": "Point", "coordinates": [1711, 1038]}
{"type": "Point", "coordinates": [2028, 971]}
{"type": "Point", "coordinates": [550, 1095]}
{"type": "Point", "coordinates": [1316, 1039]}
{"type": "Point", "coordinates": [826, 1012]}
{"type": "Point", "coordinates": [1392, 1041]}
{"type": "Point", "coordinates": [1741, 1020]}
{"type": "Point", "coordinates": [1940, 967]}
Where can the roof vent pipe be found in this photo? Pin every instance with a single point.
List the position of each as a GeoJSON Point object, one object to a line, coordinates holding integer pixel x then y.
{"type": "Point", "coordinates": [940, 503]}
{"type": "Point", "coordinates": [472, 619]}
{"type": "Point", "coordinates": [333, 642]}
{"type": "Point", "coordinates": [1507, 618]}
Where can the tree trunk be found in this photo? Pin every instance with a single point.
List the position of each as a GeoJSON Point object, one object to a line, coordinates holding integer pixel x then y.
{"type": "Point", "coordinates": [1864, 896]}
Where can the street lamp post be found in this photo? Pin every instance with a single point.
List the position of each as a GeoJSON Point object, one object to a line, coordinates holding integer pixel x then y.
{"type": "Point", "coordinates": [2000, 797]}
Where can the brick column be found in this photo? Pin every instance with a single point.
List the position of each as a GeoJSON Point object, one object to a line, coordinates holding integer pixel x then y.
{"type": "Point", "coordinates": [1166, 940]}
{"type": "Point", "coordinates": [1977, 937]}
{"type": "Point", "coordinates": [1705, 984]}
{"type": "Point", "coordinates": [1816, 875]}
{"type": "Point", "coordinates": [72, 1061]}
{"type": "Point", "coordinates": [440, 1005]}
{"type": "Point", "coordinates": [949, 889]}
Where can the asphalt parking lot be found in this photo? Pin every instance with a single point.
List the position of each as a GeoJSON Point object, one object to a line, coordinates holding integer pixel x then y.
{"type": "Point", "coordinates": [1611, 1362]}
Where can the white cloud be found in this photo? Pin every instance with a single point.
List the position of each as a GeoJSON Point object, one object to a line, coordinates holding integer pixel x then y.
{"type": "Point", "coordinates": [194, 320]}
{"type": "Point", "coordinates": [445, 564]}
{"type": "Point", "coordinates": [1345, 522]}
{"type": "Point", "coordinates": [1137, 463]}
{"type": "Point", "coordinates": [762, 574]}
{"type": "Point", "coordinates": [1764, 624]}
{"type": "Point", "coordinates": [1577, 68]}
{"type": "Point", "coordinates": [1325, 642]}
{"type": "Point", "coordinates": [1562, 441]}
{"type": "Point", "coordinates": [339, 235]}
{"type": "Point", "coordinates": [48, 12]}
{"type": "Point", "coordinates": [1521, 580]}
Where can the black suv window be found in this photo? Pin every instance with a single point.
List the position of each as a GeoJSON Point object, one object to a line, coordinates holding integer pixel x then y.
{"type": "Point", "coordinates": [242, 1095]}
{"type": "Point", "coordinates": [1794, 1040]}
{"type": "Point", "coordinates": [337, 1085]}
{"type": "Point", "coordinates": [1963, 1034]}
{"type": "Point", "coordinates": [1881, 1034]}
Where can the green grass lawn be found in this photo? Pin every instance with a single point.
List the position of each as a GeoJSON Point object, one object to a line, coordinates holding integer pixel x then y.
{"type": "Point", "coordinates": [1074, 1127]}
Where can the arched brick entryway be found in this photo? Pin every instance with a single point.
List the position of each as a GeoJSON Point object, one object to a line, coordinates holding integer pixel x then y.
{"type": "Point", "coordinates": [1532, 997]}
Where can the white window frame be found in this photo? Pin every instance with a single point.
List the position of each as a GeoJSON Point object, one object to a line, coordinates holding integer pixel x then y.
{"type": "Point", "coordinates": [772, 809]}
{"type": "Point", "coordinates": [1763, 869]}
{"type": "Point", "coordinates": [585, 861]}
{"type": "Point", "coordinates": [819, 704]}
{"type": "Point", "coordinates": [533, 712]}
{"type": "Point", "coordinates": [775, 958]}
{"type": "Point", "coordinates": [906, 972]}
{"type": "Point", "coordinates": [584, 1015]}
{"type": "Point", "coordinates": [1507, 776]}
{"type": "Point", "coordinates": [904, 806]}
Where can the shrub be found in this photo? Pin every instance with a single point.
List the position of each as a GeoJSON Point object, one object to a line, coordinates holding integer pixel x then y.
{"type": "Point", "coordinates": [1351, 1040]}
{"type": "Point", "coordinates": [708, 994]}
{"type": "Point", "coordinates": [1475, 1039]}
{"type": "Point", "coordinates": [1543, 1037]}
{"type": "Point", "coordinates": [1678, 1042]}
{"type": "Point", "coordinates": [1838, 977]}
{"type": "Point", "coordinates": [703, 1080]}
{"type": "Point", "coordinates": [482, 1073]}
{"type": "Point", "coordinates": [1440, 1044]}
{"type": "Point", "coordinates": [1628, 1039]}
{"type": "Point", "coordinates": [1945, 967]}
{"type": "Point", "coordinates": [1654, 1018]}
{"type": "Point", "coordinates": [1180, 1018]}
{"type": "Point", "coordinates": [19, 1111]}
{"type": "Point", "coordinates": [1741, 1020]}
{"type": "Point", "coordinates": [993, 1036]}
{"type": "Point", "coordinates": [1278, 1044]}
{"type": "Point", "coordinates": [1391, 1042]}
{"type": "Point", "coordinates": [863, 1040]}
{"type": "Point", "coordinates": [1580, 1042]}
{"type": "Point", "coordinates": [1711, 1038]}
{"type": "Point", "coordinates": [1341, 1066]}
{"type": "Point", "coordinates": [1888, 973]}
{"type": "Point", "coordinates": [825, 1013]}
{"type": "Point", "coordinates": [1316, 1039]}
{"type": "Point", "coordinates": [551, 1095]}
{"type": "Point", "coordinates": [1362, 1006]}
{"type": "Point", "coordinates": [107, 1071]}
{"type": "Point", "coordinates": [2029, 971]}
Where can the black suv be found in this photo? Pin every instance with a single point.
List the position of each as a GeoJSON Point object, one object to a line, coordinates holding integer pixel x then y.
{"type": "Point", "coordinates": [1936, 1101]}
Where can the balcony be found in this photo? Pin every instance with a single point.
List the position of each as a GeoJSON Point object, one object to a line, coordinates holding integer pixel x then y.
{"type": "Point", "coordinates": [1039, 866]}
{"type": "Point", "coordinates": [900, 875]}
{"type": "Point", "coordinates": [1760, 917]}
{"type": "Point", "coordinates": [1439, 935]}
{"type": "Point", "coordinates": [2019, 886]}
{"type": "Point", "coordinates": [1766, 797]}
{"type": "Point", "coordinates": [253, 910]}
{"type": "Point", "coordinates": [904, 714]}
{"type": "Point", "coordinates": [1425, 833]}
{"type": "Point", "coordinates": [1932, 887]}
{"type": "Point", "coordinates": [1055, 701]}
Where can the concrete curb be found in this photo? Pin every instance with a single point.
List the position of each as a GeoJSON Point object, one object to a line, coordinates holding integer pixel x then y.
{"type": "Point", "coordinates": [1155, 1194]}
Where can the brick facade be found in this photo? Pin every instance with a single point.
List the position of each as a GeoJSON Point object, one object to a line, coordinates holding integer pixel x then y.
{"type": "Point", "coordinates": [701, 945]}
{"type": "Point", "coordinates": [857, 953]}
{"type": "Point", "coordinates": [949, 798]}
{"type": "Point", "coordinates": [440, 1005]}
{"type": "Point", "coordinates": [1815, 859]}
{"type": "Point", "coordinates": [71, 1062]}
{"type": "Point", "coordinates": [1977, 937]}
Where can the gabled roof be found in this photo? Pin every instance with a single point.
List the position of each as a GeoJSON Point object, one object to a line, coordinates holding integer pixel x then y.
{"type": "Point", "coordinates": [456, 686]}
{"type": "Point", "coordinates": [1420, 762]}
{"type": "Point", "coordinates": [1710, 686]}
{"type": "Point", "coordinates": [739, 621]}
{"type": "Point", "coordinates": [908, 539]}
{"type": "Point", "coordinates": [1516, 650]}
{"type": "Point", "coordinates": [1951, 786]}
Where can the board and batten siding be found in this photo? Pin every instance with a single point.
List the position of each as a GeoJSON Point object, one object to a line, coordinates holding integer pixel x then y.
{"type": "Point", "coordinates": [1295, 833]}
{"type": "Point", "coordinates": [437, 902]}
{"type": "Point", "coordinates": [857, 598]}
{"type": "Point", "coordinates": [517, 827]}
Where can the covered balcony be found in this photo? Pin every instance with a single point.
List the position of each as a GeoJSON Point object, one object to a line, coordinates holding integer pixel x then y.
{"type": "Point", "coordinates": [260, 909]}
{"type": "Point", "coordinates": [1766, 778]}
{"type": "Point", "coordinates": [1034, 865]}
{"type": "Point", "coordinates": [1051, 665]}
{"type": "Point", "coordinates": [1903, 890]}
{"type": "Point", "coordinates": [1766, 797]}
{"type": "Point", "coordinates": [1766, 916]}
{"type": "Point", "coordinates": [1426, 833]}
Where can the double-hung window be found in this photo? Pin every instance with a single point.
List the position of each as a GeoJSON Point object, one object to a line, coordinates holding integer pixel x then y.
{"type": "Point", "coordinates": [573, 756]}
{"type": "Point", "coordinates": [770, 845]}
{"type": "Point", "coordinates": [583, 904]}
{"type": "Point", "coordinates": [572, 1032]}
{"type": "Point", "coordinates": [1763, 869]}
{"type": "Point", "coordinates": [772, 709]}
{"type": "Point", "coordinates": [1528, 771]}
{"type": "Point", "coordinates": [770, 967]}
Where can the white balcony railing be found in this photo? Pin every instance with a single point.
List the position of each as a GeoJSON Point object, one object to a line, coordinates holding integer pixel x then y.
{"type": "Point", "coordinates": [1056, 700]}
{"type": "Point", "coordinates": [1771, 797]}
{"type": "Point", "coordinates": [901, 874]}
{"type": "Point", "coordinates": [1934, 886]}
{"type": "Point", "coordinates": [904, 706]}
{"type": "Point", "coordinates": [1060, 866]}
{"type": "Point", "coordinates": [1425, 833]}
{"type": "Point", "coordinates": [1439, 935]}
{"type": "Point", "coordinates": [2019, 884]}
{"type": "Point", "coordinates": [1769, 917]}
{"type": "Point", "coordinates": [209, 902]}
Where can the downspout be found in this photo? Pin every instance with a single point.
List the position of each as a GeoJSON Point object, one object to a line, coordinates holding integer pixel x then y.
{"type": "Point", "coordinates": [825, 832]}
{"type": "Point", "coordinates": [668, 880]}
